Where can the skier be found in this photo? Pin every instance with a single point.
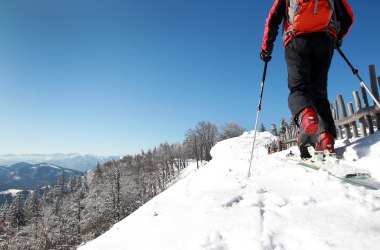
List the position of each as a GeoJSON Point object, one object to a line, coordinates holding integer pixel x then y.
{"type": "Point", "coordinates": [311, 29]}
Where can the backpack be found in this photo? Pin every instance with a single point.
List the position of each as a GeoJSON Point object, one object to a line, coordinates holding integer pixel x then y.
{"type": "Point", "coordinates": [308, 16]}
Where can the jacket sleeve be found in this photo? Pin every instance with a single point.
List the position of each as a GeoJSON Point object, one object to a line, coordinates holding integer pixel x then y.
{"type": "Point", "coordinates": [275, 17]}
{"type": "Point", "coordinates": [345, 17]}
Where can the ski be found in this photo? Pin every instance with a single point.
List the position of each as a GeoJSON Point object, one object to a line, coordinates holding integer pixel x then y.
{"type": "Point", "coordinates": [334, 167]}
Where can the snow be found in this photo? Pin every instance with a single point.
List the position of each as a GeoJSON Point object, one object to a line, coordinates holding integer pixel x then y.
{"type": "Point", "coordinates": [280, 206]}
{"type": "Point", "coordinates": [12, 192]}
{"type": "Point", "coordinates": [49, 165]}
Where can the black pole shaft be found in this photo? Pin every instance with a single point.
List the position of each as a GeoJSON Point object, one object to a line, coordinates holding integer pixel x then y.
{"type": "Point", "coordinates": [354, 71]}
{"type": "Point", "coordinates": [258, 115]}
{"type": "Point", "coordinates": [262, 85]}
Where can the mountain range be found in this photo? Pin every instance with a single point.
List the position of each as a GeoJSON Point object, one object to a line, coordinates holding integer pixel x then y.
{"type": "Point", "coordinates": [26, 176]}
{"type": "Point", "coordinates": [81, 162]}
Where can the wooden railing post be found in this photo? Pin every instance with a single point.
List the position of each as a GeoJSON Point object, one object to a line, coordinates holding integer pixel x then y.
{"type": "Point", "coordinates": [375, 90]}
{"type": "Point", "coordinates": [353, 124]}
{"type": "Point", "coordinates": [336, 117]}
{"type": "Point", "coordinates": [366, 105]}
{"type": "Point", "coordinates": [343, 111]}
{"type": "Point", "coordinates": [358, 105]}
{"type": "Point", "coordinates": [279, 146]}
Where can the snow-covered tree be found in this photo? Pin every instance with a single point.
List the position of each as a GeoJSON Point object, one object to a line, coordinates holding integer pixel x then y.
{"type": "Point", "coordinates": [32, 206]}
{"type": "Point", "coordinates": [58, 193]}
{"type": "Point", "coordinates": [192, 145]}
{"type": "Point", "coordinates": [207, 133]}
{"type": "Point", "coordinates": [284, 128]}
{"type": "Point", "coordinates": [16, 214]}
{"type": "Point", "coordinates": [273, 130]}
{"type": "Point", "coordinates": [3, 211]}
{"type": "Point", "coordinates": [262, 128]}
{"type": "Point", "coordinates": [230, 130]}
{"type": "Point", "coordinates": [3, 216]}
{"type": "Point", "coordinates": [33, 213]}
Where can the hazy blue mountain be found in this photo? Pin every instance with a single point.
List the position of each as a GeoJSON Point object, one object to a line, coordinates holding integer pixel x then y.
{"type": "Point", "coordinates": [81, 162]}
{"type": "Point", "coordinates": [26, 176]}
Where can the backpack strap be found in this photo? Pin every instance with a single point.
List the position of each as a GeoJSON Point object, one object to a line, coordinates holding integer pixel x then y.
{"type": "Point", "coordinates": [334, 24]}
{"type": "Point", "coordinates": [316, 7]}
{"type": "Point", "coordinates": [337, 3]}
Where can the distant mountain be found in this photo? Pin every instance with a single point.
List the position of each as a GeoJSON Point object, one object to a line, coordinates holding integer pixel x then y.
{"type": "Point", "coordinates": [26, 176]}
{"type": "Point", "coordinates": [81, 162]}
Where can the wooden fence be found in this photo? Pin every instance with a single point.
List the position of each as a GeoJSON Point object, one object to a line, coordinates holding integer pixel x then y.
{"type": "Point", "coordinates": [366, 115]}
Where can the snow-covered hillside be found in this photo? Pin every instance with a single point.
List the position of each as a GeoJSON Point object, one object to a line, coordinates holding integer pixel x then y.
{"type": "Point", "coordinates": [281, 206]}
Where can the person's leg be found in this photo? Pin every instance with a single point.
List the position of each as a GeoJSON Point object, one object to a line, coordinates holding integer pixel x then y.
{"type": "Point", "coordinates": [298, 55]}
{"type": "Point", "coordinates": [322, 54]}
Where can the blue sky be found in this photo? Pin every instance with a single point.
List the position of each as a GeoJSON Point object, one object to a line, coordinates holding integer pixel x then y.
{"type": "Point", "coordinates": [114, 77]}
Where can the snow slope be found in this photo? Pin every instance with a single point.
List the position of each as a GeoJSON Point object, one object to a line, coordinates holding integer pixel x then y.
{"type": "Point", "coordinates": [281, 206]}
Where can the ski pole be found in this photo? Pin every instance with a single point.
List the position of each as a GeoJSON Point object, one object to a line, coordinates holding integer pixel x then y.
{"type": "Point", "coordinates": [258, 115]}
{"type": "Point", "coordinates": [356, 73]}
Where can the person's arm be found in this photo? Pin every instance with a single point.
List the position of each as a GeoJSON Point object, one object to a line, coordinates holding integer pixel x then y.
{"type": "Point", "coordinates": [275, 17]}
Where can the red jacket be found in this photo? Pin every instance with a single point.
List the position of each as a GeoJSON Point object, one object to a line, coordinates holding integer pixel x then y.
{"type": "Point", "coordinates": [278, 13]}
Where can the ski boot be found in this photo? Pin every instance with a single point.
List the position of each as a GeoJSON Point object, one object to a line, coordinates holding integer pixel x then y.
{"type": "Point", "coordinates": [325, 144]}
{"type": "Point", "coordinates": [308, 129]}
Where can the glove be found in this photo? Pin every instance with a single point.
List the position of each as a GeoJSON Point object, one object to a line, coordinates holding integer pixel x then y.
{"type": "Point", "coordinates": [338, 42]}
{"type": "Point", "coordinates": [265, 56]}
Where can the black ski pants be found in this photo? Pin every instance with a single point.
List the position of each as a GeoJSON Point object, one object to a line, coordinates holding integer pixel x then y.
{"type": "Point", "coordinates": [308, 58]}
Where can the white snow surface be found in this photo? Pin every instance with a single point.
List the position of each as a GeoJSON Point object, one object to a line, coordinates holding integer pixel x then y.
{"type": "Point", "coordinates": [280, 206]}
{"type": "Point", "coordinates": [49, 165]}
{"type": "Point", "coordinates": [12, 192]}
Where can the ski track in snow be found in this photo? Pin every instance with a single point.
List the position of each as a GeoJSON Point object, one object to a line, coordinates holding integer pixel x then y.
{"type": "Point", "coordinates": [281, 206]}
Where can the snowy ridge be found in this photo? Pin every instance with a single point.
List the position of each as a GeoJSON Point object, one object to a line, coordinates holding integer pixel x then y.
{"type": "Point", "coordinates": [28, 176]}
{"type": "Point", "coordinates": [281, 206]}
{"type": "Point", "coordinates": [49, 165]}
{"type": "Point", "coordinates": [80, 162]}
